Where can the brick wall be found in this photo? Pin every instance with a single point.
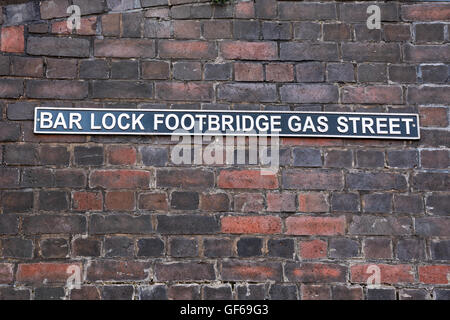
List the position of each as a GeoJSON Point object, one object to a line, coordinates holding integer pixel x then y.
{"type": "Point", "coordinates": [140, 227]}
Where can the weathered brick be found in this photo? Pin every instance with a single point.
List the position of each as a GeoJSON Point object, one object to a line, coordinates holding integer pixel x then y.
{"type": "Point", "coordinates": [377, 248]}
{"type": "Point", "coordinates": [217, 202]}
{"type": "Point", "coordinates": [43, 273]}
{"type": "Point", "coordinates": [150, 247]}
{"type": "Point", "coordinates": [434, 73]}
{"type": "Point", "coordinates": [307, 225]}
{"type": "Point", "coordinates": [120, 223]}
{"type": "Point", "coordinates": [9, 224]}
{"type": "Point", "coordinates": [186, 49]}
{"type": "Point", "coordinates": [390, 274]}
{"type": "Point", "coordinates": [251, 271]}
{"type": "Point", "coordinates": [218, 71]}
{"type": "Point", "coordinates": [187, 70]}
{"type": "Point", "coordinates": [88, 155]}
{"type": "Point", "coordinates": [376, 181]}
{"type": "Point", "coordinates": [155, 70]}
{"type": "Point", "coordinates": [124, 48]}
{"type": "Point", "coordinates": [376, 52]}
{"type": "Point", "coordinates": [9, 132]}
{"type": "Point", "coordinates": [12, 39]}
{"type": "Point", "coordinates": [186, 178]}
{"type": "Point", "coordinates": [11, 88]}
{"type": "Point", "coordinates": [54, 248]}
{"type": "Point", "coordinates": [307, 31]}
{"type": "Point", "coordinates": [434, 274]}
{"type": "Point", "coordinates": [86, 247]}
{"type": "Point", "coordinates": [247, 179]}
{"type": "Point", "coordinates": [182, 200]}
{"type": "Point", "coordinates": [432, 226]}
{"type": "Point", "coordinates": [103, 270]}
{"type": "Point", "coordinates": [53, 200]}
{"type": "Point", "coordinates": [281, 202]}
{"type": "Point", "coordinates": [121, 155]}
{"type": "Point", "coordinates": [411, 249]}
{"type": "Point", "coordinates": [315, 272]}
{"type": "Point", "coordinates": [306, 11]}
{"type": "Point", "coordinates": [374, 225]}
{"type": "Point", "coordinates": [424, 181]}
{"type": "Point", "coordinates": [120, 200]}
{"type": "Point", "coordinates": [426, 53]}
{"type": "Point", "coordinates": [56, 89]}
{"type": "Point", "coordinates": [216, 247]}
{"type": "Point", "coordinates": [425, 12]}
{"type": "Point", "coordinates": [438, 204]}
{"type": "Point", "coordinates": [251, 224]}
{"type": "Point", "coordinates": [279, 72]}
{"type": "Point", "coordinates": [276, 30]}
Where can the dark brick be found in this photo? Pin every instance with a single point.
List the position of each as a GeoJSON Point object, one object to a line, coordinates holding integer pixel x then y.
{"type": "Point", "coordinates": [117, 292]}
{"type": "Point", "coordinates": [217, 29]}
{"type": "Point", "coordinates": [155, 70]}
{"type": "Point", "coordinates": [57, 89]}
{"type": "Point", "coordinates": [54, 224]}
{"type": "Point", "coordinates": [54, 9]}
{"type": "Point", "coordinates": [119, 247]}
{"type": "Point", "coordinates": [27, 67]}
{"type": "Point", "coordinates": [249, 247]}
{"type": "Point", "coordinates": [124, 70]}
{"type": "Point", "coordinates": [283, 292]}
{"type": "Point", "coordinates": [154, 292]}
{"type": "Point", "coordinates": [306, 11]}
{"type": "Point", "coordinates": [17, 201]}
{"type": "Point", "coordinates": [49, 293]}
{"type": "Point", "coordinates": [187, 224]}
{"type": "Point", "coordinates": [182, 247]}
{"type": "Point", "coordinates": [62, 68]}
{"type": "Point", "coordinates": [251, 292]}
{"type": "Point", "coordinates": [61, 47]}
{"type": "Point", "coordinates": [438, 204]}
{"type": "Point", "coordinates": [369, 158]}
{"type": "Point", "coordinates": [414, 294]}
{"type": "Point", "coordinates": [434, 74]}
{"type": "Point", "coordinates": [70, 178]}
{"type": "Point", "coordinates": [402, 158]}
{"type": "Point", "coordinates": [150, 247]}
{"type": "Point", "coordinates": [53, 200]}
{"type": "Point", "coordinates": [4, 65]}
{"type": "Point", "coordinates": [90, 6]}
{"type": "Point", "coordinates": [432, 226]}
{"type": "Point", "coordinates": [223, 292]}
{"type": "Point", "coordinates": [276, 30]}
{"type": "Point", "coordinates": [377, 203]}
{"type": "Point", "coordinates": [305, 157]}
{"type": "Point", "coordinates": [345, 202]}
{"type": "Point", "coordinates": [281, 248]}
{"type": "Point", "coordinates": [442, 294]}
{"type": "Point", "coordinates": [122, 89]}
{"type": "Point", "coordinates": [16, 248]}
{"type": "Point", "coordinates": [187, 178]}
{"type": "Point", "coordinates": [185, 271]}
{"type": "Point", "coordinates": [373, 225]}
{"type": "Point", "coordinates": [372, 72]}
{"type": "Point", "coordinates": [184, 292]}
{"type": "Point", "coordinates": [337, 32]}
{"type": "Point", "coordinates": [301, 51]}
{"type": "Point", "coordinates": [20, 111]}
{"type": "Point", "coordinates": [246, 30]}
{"type": "Point", "coordinates": [410, 249]}
{"type": "Point", "coordinates": [410, 203]}
{"type": "Point", "coordinates": [11, 88]}
{"type": "Point", "coordinates": [88, 247]}
{"type": "Point", "coordinates": [120, 223]}
{"type": "Point", "coordinates": [184, 200]}
{"type": "Point", "coordinates": [429, 32]}
{"type": "Point", "coordinates": [21, 13]}
{"type": "Point", "coordinates": [9, 132]}
{"type": "Point", "coordinates": [402, 74]}
{"type": "Point", "coordinates": [187, 70]}
{"type": "Point", "coordinates": [218, 71]}
{"type": "Point", "coordinates": [54, 248]}
{"type": "Point", "coordinates": [215, 248]}
{"type": "Point", "coordinates": [9, 224]}
{"type": "Point", "coordinates": [342, 292]}
{"type": "Point", "coordinates": [131, 24]}
{"type": "Point", "coordinates": [377, 248]}
{"type": "Point", "coordinates": [339, 158]}
{"type": "Point", "coordinates": [371, 52]}
{"type": "Point", "coordinates": [376, 181]}
{"type": "Point", "coordinates": [380, 294]}
{"type": "Point", "coordinates": [343, 248]}
{"type": "Point", "coordinates": [10, 293]}
{"type": "Point", "coordinates": [91, 155]}
{"type": "Point", "coordinates": [94, 69]}
{"type": "Point", "coordinates": [440, 249]}
{"type": "Point", "coordinates": [340, 72]}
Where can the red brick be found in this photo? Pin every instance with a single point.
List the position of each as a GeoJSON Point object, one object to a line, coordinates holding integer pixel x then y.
{"type": "Point", "coordinates": [242, 50]}
{"type": "Point", "coordinates": [248, 72]}
{"type": "Point", "coordinates": [153, 201]}
{"type": "Point", "coordinates": [121, 155]}
{"type": "Point", "coordinates": [315, 272]}
{"type": "Point", "coordinates": [312, 142]}
{"type": "Point", "coordinates": [251, 224]}
{"type": "Point", "coordinates": [279, 72]}
{"type": "Point", "coordinates": [12, 39]}
{"type": "Point", "coordinates": [120, 200]}
{"type": "Point", "coordinates": [313, 249]}
{"type": "Point", "coordinates": [44, 273]}
{"type": "Point", "coordinates": [304, 225]}
{"type": "Point", "coordinates": [120, 179]}
{"type": "Point", "coordinates": [187, 49]}
{"type": "Point", "coordinates": [251, 271]}
{"type": "Point", "coordinates": [426, 12]}
{"type": "Point", "coordinates": [433, 117]}
{"type": "Point", "coordinates": [155, 70]}
{"type": "Point", "coordinates": [87, 201]}
{"type": "Point", "coordinates": [281, 202]}
{"type": "Point", "coordinates": [373, 94]}
{"type": "Point", "coordinates": [248, 202]}
{"type": "Point", "coordinates": [6, 273]}
{"type": "Point", "coordinates": [437, 274]}
{"type": "Point", "coordinates": [390, 274]}
{"type": "Point", "coordinates": [246, 179]}
{"type": "Point", "coordinates": [185, 29]}
{"type": "Point", "coordinates": [313, 202]}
